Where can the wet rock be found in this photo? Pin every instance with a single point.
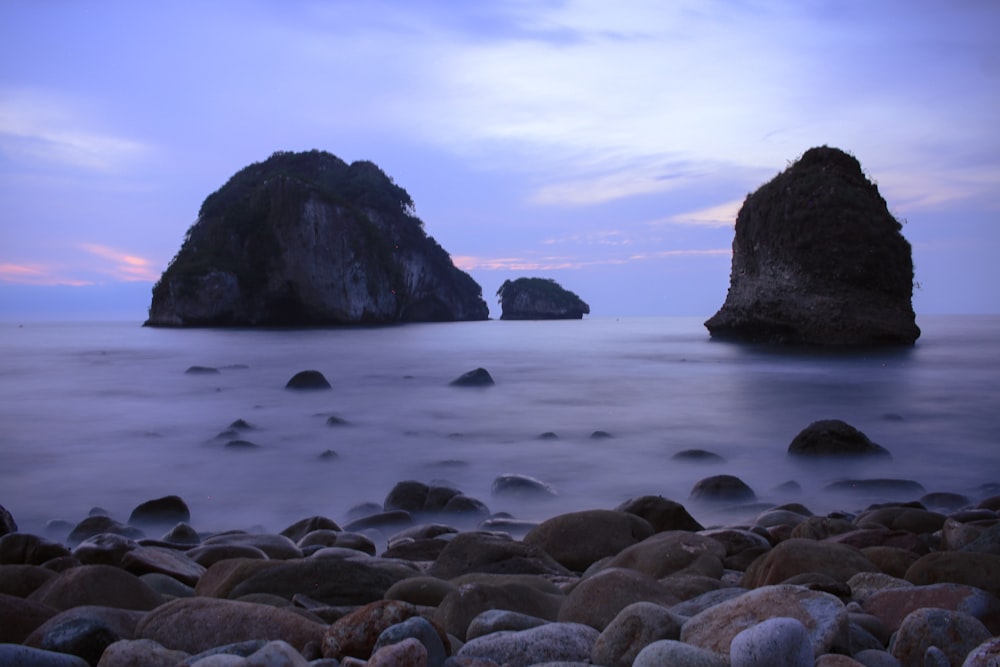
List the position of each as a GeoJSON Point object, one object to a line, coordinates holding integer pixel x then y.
{"type": "Point", "coordinates": [891, 560]}
{"type": "Point", "coordinates": [986, 654]}
{"type": "Point", "coordinates": [834, 438]}
{"type": "Point", "coordinates": [908, 519]}
{"type": "Point", "coordinates": [478, 377]}
{"type": "Point", "coordinates": [599, 598]}
{"type": "Point", "coordinates": [892, 605]}
{"type": "Point", "coordinates": [28, 549]}
{"type": "Point", "coordinates": [7, 523]}
{"type": "Point", "coordinates": [356, 634]}
{"type": "Point", "coordinates": [104, 549]}
{"type": "Point", "coordinates": [662, 514]}
{"type": "Point", "coordinates": [421, 630]}
{"type": "Point", "coordinates": [197, 624]}
{"type": "Point", "coordinates": [821, 527]}
{"type": "Point", "coordinates": [865, 584]}
{"type": "Point", "coordinates": [679, 654]}
{"type": "Point", "coordinates": [202, 370]}
{"type": "Point", "coordinates": [722, 488]}
{"type": "Point", "coordinates": [83, 637]}
{"type": "Point", "coordinates": [392, 519]}
{"type": "Point", "coordinates": [485, 552]}
{"type": "Point", "coordinates": [423, 591]}
{"type": "Point", "coordinates": [501, 620]}
{"type": "Point", "coordinates": [277, 547]}
{"type": "Point", "coordinates": [20, 617]}
{"type": "Point", "coordinates": [308, 380]}
{"type": "Point", "coordinates": [951, 632]}
{"type": "Point", "coordinates": [409, 652]}
{"type": "Point", "coordinates": [462, 505]}
{"type": "Point", "coordinates": [945, 501]}
{"type": "Point", "coordinates": [409, 496]}
{"type": "Point", "coordinates": [95, 525]}
{"type": "Point", "coordinates": [553, 642]}
{"type": "Point", "coordinates": [960, 567]}
{"type": "Point", "coordinates": [775, 642]}
{"type": "Point", "coordinates": [988, 541]}
{"type": "Point", "coordinates": [303, 527]}
{"type": "Point", "coordinates": [182, 534]}
{"type": "Point", "coordinates": [636, 626]}
{"type": "Point", "coordinates": [670, 552]}
{"type": "Point", "coordinates": [511, 485]}
{"type": "Point", "coordinates": [17, 656]}
{"type": "Point", "coordinates": [798, 556]}
{"type": "Point", "coordinates": [241, 444]}
{"type": "Point", "coordinates": [173, 563]}
{"type": "Point", "coordinates": [697, 456]}
{"type": "Point", "coordinates": [822, 614]}
{"type": "Point", "coordinates": [166, 511]}
{"type": "Point", "coordinates": [208, 555]}
{"type": "Point", "coordinates": [102, 585]}
{"type": "Point", "coordinates": [225, 654]}
{"type": "Point", "coordinates": [578, 539]}
{"type": "Point", "coordinates": [458, 609]}
{"type": "Point", "coordinates": [140, 653]}
{"type": "Point", "coordinates": [22, 580]}
{"type": "Point", "coordinates": [334, 581]}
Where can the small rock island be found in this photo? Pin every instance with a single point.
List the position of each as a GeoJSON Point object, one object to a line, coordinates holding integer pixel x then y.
{"type": "Point", "coordinates": [539, 299]}
{"type": "Point", "coordinates": [819, 259]}
{"type": "Point", "coordinates": [307, 239]}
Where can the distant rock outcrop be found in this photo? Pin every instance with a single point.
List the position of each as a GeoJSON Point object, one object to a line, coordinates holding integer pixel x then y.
{"type": "Point", "coordinates": [305, 238]}
{"type": "Point", "coordinates": [818, 259]}
{"type": "Point", "coordinates": [539, 299]}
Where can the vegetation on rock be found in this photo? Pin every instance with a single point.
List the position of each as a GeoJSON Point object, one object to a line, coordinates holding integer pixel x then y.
{"type": "Point", "coordinates": [539, 299]}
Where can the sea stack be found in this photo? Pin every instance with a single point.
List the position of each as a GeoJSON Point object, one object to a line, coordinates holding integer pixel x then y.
{"type": "Point", "coordinates": [539, 299]}
{"type": "Point", "coordinates": [818, 259]}
{"type": "Point", "coordinates": [307, 239]}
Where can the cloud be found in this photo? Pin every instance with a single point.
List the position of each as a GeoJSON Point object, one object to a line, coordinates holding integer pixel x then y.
{"type": "Point", "coordinates": [37, 274]}
{"type": "Point", "coordinates": [53, 129]}
{"type": "Point", "coordinates": [721, 215]}
{"type": "Point", "coordinates": [125, 267]}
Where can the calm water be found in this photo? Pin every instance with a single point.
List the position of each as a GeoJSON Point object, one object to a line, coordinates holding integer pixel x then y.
{"type": "Point", "coordinates": [104, 415]}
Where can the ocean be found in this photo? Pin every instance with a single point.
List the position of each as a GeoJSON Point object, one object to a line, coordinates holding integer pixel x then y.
{"type": "Point", "coordinates": [104, 415]}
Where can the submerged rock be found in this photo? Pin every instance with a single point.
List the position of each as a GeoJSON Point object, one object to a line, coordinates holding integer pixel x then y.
{"type": "Point", "coordinates": [818, 259]}
{"type": "Point", "coordinates": [305, 239]}
{"type": "Point", "coordinates": [833, 437]}
{"type": "Point", "coordinates": [539, 299]}
{"type": "Point", "coordinates": [479, 377]}
{"type": "Point", "coordinates": [308, 380]}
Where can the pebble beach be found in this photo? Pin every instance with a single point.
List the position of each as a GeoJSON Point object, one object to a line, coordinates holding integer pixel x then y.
{"type": "Point", "coordinates": [431, 578]}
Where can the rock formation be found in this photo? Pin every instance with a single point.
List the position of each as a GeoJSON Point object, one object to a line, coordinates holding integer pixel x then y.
{"type": "Point", "coordinates": [818, 259]}
{"type": "Point", "coordinates": [305, 238]}
{"type": "Point", "coordinates": [539, 299]}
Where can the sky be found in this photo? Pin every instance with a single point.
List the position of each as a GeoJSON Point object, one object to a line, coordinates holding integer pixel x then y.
{"type": "Point", "coordinates": [605, 145]}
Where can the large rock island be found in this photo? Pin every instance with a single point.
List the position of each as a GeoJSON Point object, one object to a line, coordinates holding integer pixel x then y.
{"type": "Point", "coordinates": [306, 239]}
{"type": "Point", "coordinates": [539, 299]}
{"type": "Point", "coordinates": [818, 259]}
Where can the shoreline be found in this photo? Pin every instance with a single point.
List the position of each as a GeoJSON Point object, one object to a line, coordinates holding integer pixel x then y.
{"type": "Point", "coordinates": [415, 583]}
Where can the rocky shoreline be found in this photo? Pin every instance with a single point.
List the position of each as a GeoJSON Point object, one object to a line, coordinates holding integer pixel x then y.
{"type": "Point", "coordinates": [911, 583]}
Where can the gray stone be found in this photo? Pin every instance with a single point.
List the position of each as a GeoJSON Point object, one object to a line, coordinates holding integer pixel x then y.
{"type": "Point", "coordinates": [140, 653]}
{"type": "Point", "coordinates": [775, 642]}
{"type": "Point", "coordinates": [497, 620]}
{"type": "Point", "coordinates": [954, 633]}
{"type": "Point", "coordinates": [15, 655]}
{"type": "Point", "coordinates": [635, 627]}
{"type": "Point", "coordinates": [552, 642]}
{"type": "Point", "coordinates": [419, 628]}
{"type": "Point", "coordinates": [677, 654]}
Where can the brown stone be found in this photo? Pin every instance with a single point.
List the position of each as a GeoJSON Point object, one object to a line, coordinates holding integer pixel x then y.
{"type": "Point", "coordinates": [798, 556]}
{"type": "Point", "coordinates": [579, 539]}
{"type": "Point", "coordinates": [173, 563]}
{"type": "Point", "coordinates": [669, 552]}
{"type": "Point", "coordinates": [487, 552]}
{"type": "Point", "coordinates": [892, 605]}
{"type": "Point", "coordinates": [974, 569]}
{"type": "Point", "coordinates": [101, 585]}
{"type": "Point", "coordinates": [662, 514]}
{"type": "Point", "coordinates": [459, 607]}
{"type": "Point", "coordinates": [355, 635]}
{"type": "Point", "coordinates": [596, 600]}
{"type": "Point", "coordinates": [22, 580]}
{"type": "Point", "coordinates": [198, 624]}
{"type": "Point", "coordinates": [19, 617]}
{"type": "Point", "coordinates": [891, 560]}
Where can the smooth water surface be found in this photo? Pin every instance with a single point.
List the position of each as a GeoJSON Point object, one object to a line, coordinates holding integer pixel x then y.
{"type": "Point", "coordinates": [105, 415]}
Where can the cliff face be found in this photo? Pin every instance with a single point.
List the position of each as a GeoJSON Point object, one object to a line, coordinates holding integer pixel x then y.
{"type": "Point", "coordinates": [539, 299]}
{"type": "Point", "coordinates": [304, 238]}
{"type": "Point", "coordinates": [818, 258]}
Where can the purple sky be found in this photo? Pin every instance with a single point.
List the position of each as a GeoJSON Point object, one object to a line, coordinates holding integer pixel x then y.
{"type": "Point", "coordinates": [606, 145]}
